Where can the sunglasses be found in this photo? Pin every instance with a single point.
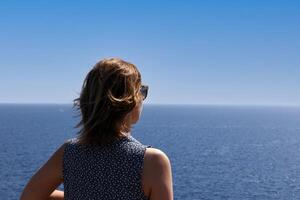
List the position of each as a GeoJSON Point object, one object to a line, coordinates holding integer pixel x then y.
{"type": "Point", "coordinates": [144, 91]}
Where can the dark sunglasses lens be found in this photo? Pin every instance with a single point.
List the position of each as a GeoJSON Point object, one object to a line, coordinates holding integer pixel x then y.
{"type": "Point", "coordinates": [144, 91]}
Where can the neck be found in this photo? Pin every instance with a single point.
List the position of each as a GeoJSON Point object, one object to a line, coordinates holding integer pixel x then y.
{"type": "Point", "coordinates": [126, 134]}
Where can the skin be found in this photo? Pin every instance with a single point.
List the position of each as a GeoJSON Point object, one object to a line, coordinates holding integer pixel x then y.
{"type": "Point", "coordinates": [156, 176]}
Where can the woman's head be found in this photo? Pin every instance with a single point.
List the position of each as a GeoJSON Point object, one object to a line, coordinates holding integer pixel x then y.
{"type": "Point", "coordinates": [109, 102]}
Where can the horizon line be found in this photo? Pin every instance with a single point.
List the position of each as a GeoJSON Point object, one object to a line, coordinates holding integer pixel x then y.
{"type": "Point", "coordinates": [158, 104]}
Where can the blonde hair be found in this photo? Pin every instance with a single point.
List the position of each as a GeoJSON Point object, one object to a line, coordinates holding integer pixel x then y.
{"type": "Point", "coordinates": [109, 92]}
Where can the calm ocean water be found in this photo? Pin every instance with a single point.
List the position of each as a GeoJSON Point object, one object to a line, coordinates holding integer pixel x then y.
{"type": "Point", "coordinates": [216, 152]}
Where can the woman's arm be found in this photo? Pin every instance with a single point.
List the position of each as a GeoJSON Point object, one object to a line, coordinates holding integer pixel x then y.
{"type": "Point", "coordinates": [43, 183]}
{"type": "Point", "coordinates": [160, 174]}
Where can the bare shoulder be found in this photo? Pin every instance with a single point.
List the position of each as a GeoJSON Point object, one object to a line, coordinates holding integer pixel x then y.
{"type": "Point", "coordinates": [156, 162]}
{"type": "Point", "coordinates": [158, 174]}
{"type": "Point", "coordinates": [57, 156]}
{"type": "Point", "coordinates": [156, 156]}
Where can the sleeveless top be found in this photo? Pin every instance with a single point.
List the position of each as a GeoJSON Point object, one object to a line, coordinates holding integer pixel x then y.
{"type": "Point", "coordinates": [109, 172]}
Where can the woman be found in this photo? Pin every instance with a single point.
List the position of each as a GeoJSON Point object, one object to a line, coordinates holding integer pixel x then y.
{"type": "Point", "coordinates": [105, 161]}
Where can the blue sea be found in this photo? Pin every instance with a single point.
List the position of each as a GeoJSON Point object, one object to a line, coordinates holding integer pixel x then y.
{"type": "Point", "coordinates": [216, 152]}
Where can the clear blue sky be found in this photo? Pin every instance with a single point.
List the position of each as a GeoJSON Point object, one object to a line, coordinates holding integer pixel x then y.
{"type": "Point", "coordinates": [189, 52]}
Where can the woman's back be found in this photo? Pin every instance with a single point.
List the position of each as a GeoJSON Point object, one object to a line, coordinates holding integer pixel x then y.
{"type": "Point", "coordinates": [113, 171]}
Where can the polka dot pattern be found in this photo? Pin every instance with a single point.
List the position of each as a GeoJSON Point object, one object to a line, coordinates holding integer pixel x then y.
{"type": "Point", "coordinates": [110, 172]}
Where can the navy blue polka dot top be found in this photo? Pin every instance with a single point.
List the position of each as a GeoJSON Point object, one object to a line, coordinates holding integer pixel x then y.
{"type": "Point", "coordinates": [109, 172]}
